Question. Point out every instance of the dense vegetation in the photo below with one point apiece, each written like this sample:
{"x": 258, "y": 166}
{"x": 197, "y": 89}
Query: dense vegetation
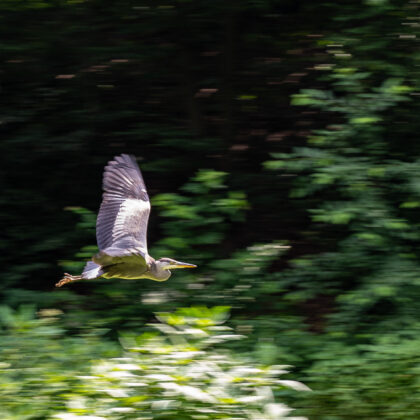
{"x": 278, "y": 140}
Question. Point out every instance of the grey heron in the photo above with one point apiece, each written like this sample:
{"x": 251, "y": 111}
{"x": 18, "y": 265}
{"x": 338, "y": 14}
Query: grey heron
{"x": 121, "y": 229}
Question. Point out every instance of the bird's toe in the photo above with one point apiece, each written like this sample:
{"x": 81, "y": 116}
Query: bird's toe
{"x": 62, "y": 282}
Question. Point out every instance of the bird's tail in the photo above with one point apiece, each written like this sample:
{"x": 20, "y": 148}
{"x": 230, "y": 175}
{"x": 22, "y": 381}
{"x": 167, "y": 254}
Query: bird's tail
{"x": 92, "y": 271}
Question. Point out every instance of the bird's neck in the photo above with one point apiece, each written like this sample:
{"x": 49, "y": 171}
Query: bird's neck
{"x": 158, "y": 272}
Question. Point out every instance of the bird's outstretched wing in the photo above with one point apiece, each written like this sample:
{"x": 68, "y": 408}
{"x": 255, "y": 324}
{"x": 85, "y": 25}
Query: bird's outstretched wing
{"x": 121, "y": 227}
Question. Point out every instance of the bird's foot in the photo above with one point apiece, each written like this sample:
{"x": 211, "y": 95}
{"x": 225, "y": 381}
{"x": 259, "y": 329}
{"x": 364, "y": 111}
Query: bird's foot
{"x": 67, "y": 279}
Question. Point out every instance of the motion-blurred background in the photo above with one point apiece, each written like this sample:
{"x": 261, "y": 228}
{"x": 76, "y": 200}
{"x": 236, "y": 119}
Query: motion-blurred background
{"x": 279, "y": 143}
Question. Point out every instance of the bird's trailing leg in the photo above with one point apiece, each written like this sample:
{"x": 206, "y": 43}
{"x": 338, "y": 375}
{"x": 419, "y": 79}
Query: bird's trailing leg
{"x": 67, "y": 279}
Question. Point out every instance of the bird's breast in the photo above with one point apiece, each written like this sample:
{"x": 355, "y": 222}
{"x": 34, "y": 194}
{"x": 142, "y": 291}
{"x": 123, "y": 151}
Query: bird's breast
{"x": 125, "y": 271}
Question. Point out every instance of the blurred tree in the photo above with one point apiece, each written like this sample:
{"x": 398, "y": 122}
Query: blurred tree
{"x": 181, "y": 85}
{"x": 360, "y": 288}
{"x": 200, "y": 91}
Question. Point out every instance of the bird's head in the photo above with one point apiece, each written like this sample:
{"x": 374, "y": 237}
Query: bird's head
{"x": 170, "y": 264}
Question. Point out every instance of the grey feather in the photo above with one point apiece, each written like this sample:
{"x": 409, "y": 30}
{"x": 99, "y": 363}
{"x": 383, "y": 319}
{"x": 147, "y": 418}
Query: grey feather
{"x": 121, "y": 227}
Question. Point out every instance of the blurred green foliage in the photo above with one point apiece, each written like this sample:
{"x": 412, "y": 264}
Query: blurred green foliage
{"x": 278, "y": 140}
{"x": 358, "y": 175}
{"x": 39, "y": 364}
{"x": 181, "y": 372}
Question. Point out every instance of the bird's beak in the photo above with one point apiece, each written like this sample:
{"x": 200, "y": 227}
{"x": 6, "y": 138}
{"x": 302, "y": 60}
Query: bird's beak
{"x": 179, "y": 264}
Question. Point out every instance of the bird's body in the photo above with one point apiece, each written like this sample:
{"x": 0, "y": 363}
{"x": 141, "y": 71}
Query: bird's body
{"x": 133, "y": 267}
{"x": 121, "y": 229}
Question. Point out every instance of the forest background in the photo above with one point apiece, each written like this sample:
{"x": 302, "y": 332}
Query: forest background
{"x": 279, "y": 143}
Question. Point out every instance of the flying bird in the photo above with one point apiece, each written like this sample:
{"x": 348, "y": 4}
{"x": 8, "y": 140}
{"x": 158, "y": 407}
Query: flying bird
{"x": 121, "y": 229}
